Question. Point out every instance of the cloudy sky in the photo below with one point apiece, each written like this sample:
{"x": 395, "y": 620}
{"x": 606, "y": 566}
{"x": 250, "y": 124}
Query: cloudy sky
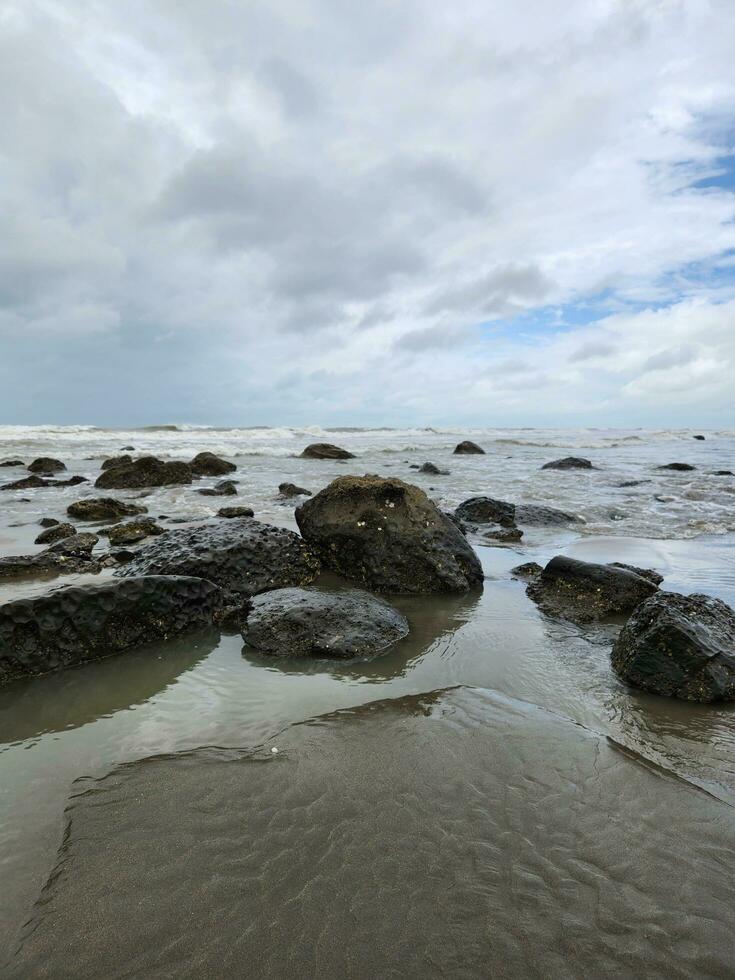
{"x": 396, "y": 212}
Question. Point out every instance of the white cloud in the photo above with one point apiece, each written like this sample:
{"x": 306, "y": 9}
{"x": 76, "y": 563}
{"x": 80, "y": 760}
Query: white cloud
{"x": 344, "y": 202}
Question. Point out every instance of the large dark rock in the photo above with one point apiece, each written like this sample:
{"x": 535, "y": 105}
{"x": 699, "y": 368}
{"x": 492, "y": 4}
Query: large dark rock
{"x": 207, "y": 464}
{"x": 432, "y": 469}
{"x": 77, "y": 624}
{"x": 27, "y": 483}
{"x": 291, "y": 490}
{"x": 314, "y": 623}
{"x": 325, "y": 450}
{"x": 46, "y": 465}
{"x": 680, "y": 647}
{"x": 145, "y": 472}
{"x": 468, "y": 448}
{"x": 103, "y": 509}
{"x": 116, "y": 461}
{"x": 225, "y": 488}
{"x": 231, "y": 512}
{"x": 55, "y": 533}
{"x": 12, "y": 462}
{"x": 569, "y": 463}
{"x": 487, "y": 510}
{"x": 724, "y": 473}
{"x": 700, "y": 438}
{"x": 242, "y": 556}
{"x": 677, "y": 467}
{"x": 59, "y": 559}
{"x": 389, "y": 536}
{"x": 74, "y": 545}
{"x": 583, "y": 592}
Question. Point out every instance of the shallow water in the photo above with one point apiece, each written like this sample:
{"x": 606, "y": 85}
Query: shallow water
{"x": 544, "y": 820}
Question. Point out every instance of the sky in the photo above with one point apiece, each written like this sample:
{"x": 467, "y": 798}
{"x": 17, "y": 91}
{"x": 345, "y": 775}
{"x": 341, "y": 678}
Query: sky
{"x": 324, "y": 212}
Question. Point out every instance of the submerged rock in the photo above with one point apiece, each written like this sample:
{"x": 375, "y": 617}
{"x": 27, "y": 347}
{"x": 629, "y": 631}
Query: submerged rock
{"x": 27, "y": 483}
{"x": 12, "y": 462}
{"x": 700, "y": 438}
{"x": 291, "y": 490}
{"x": 78, "y": 624}
{"x": 103, "y": 509}
{"x": 528, "y": 570}
{"x": 325, "y": 450}
{"x": 116, "y": 461}
{"x": 724, "y": 473}
{"x": 46, "y": 465}
{"x": 468, "y": 448}
{"x": 505, "y": 535}
{"x": 632, "y": 483}
{"x": 680, "y": 647}
{"x": 55, "y": 532}
{"x": 148, "y": 471}
{"x": 235, "y": 512}
{"x": 433, "y": 469}
{"x": 677, "y": 467}
{"x": 569, "y": 463}
{"x": 583, "y": 591}
{"x": 488, "y": 510}
{"x": 242, "y": 556}
{"x": 207, "y": 464}
{"x": 225, "y": 488}
{"x": 132, "y": 531}
{"x": 315, "y": 623}
{"x": 389, "y": 536}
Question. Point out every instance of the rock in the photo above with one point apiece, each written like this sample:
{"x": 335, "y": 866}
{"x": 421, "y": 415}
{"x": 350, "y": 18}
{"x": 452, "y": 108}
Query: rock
{"x": 242, "y": 556}
{"x": 74, "y": 545}
{"x": 486, "y": 510}
{"x": 633, "y": 483}
{"x": 27, "y": 483}
{"x": 680, "y": 647}
{"x": 569, "y": 463}
{"x": 468, "y": 448}
{"x": 433, "y": 469}
{"x": 506, "y": 535}
{"x": 55, "y": 533}
{"x": 77, "y": 624}
{"x": 677, "y": 467}
{"x": 132, "y": 531}
{"x": 116, "y": 461}
{"x": 325, "y": 450}
{"x": 701, "y": 438}
{"x": 145, "y": 472}
{"x": 12, "y": 462}
{"x": 291, "y": 490}
{"x": 48, "y": 522}
{"x": 46, "y": 465}
{"x": 127, "y": 449}
{"x": 235, "y": 512}
{"x": 103, "y": 509}
{"x": 73, "y": 481}
{"x": 389, "y": 536}
{"x": 48, "y": 563}
{"x": 724, "y": 473}
{"x": 316, "y": 623}
{"x": 207, "y": 464}
{"x": 225, "y": 488}
{"x": 651, "y": 574}
{"x": 528, "y": 570}
{"x": 582, "y": 591}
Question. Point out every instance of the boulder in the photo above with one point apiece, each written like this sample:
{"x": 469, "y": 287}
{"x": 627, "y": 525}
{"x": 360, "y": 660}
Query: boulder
{"x": 131, "y": 532}
{"x": 325, "y": 450}
{"x": 103, "y": 509}
{"x": 74, "y": 545}
{"x": 116, "y": 461}
{"x": 291, "y": 490}
{"x": 505, "y": 535}
{"x": 77, "y": 624}
{"x": 316, "y": 623}
{"x": 677, "y": 467}
{"x": 225, "y": 488}
{"x": 433, "y": 469}
{"x": 583, "y": 591}
{"x": 680, "y": 647}
{"x": 487, "y": 510}
{"x": 12, "y": 462}
{"x": 49, "y": 563}
{"x": 700, "y": 438}
{"x": 724, "y": 473}
{"x": 651, "y": 574}
{"x": 242, "y": 556}
{"x": 569, "y": 463}
{"x": 145, "y": 472}
{"x": 46, "y": 465}
{"x": 231, "y": 512}
{"x": 632, "y": 483}
{"x": 207, "y": 464}
{"x": 127, "y": 449}
{"x": 55, "y": 533}
{"x": 527, "y": 570}
{"x": 538, "y": 515}
{"x": 48, "y": 522}
{"x": 27, "y": 483}
{"x": 389, "y": 536}
{"x": 468, "y": 448}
